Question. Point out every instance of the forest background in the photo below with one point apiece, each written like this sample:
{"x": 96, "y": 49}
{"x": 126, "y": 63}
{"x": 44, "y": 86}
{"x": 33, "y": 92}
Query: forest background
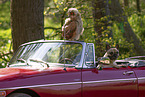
{"x": 111, "y": 26}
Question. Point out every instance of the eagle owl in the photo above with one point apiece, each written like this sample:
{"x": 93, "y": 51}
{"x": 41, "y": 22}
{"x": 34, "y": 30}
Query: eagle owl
{"x": 73, "y": 27}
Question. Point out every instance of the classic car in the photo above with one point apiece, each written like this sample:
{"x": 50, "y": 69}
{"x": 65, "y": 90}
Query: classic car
{"x": 62, "y": 68}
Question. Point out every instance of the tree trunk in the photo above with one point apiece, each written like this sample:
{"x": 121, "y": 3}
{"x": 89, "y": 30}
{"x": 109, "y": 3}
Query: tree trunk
{"x": 126, "y": 3}
{"x": 101, "y": 15}
{"x": 27, "y": 21}
{"x": 130, "y": 36}
{"x": 98, "y": 13}
{"x": 98, "y": 7}
{"x": 138, "y": 5}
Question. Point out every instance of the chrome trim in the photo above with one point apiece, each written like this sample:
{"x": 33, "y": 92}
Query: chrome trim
{"x": 45, "y": 85}
{"x": 71, "y": 83}
{"x": 115, "y": 80}
{"x": 82, "y": 56}
{"x": 92, "y": 44}
{"x": 141, "y": 78}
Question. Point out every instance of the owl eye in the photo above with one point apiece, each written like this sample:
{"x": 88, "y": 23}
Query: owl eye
{"x": 111, "y": 53}
{"x": 72, "y": 13}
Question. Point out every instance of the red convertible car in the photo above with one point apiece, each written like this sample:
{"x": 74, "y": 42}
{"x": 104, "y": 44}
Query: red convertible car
{"x": 63, "y": 68}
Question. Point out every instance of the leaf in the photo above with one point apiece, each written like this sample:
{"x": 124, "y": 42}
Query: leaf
{"x": 110, "y": 2}
{"x": 55, "y": 1}
{"x": 65, "y": 9}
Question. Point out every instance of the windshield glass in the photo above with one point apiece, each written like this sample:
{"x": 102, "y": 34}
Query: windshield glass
{"x": 50, "y": 53}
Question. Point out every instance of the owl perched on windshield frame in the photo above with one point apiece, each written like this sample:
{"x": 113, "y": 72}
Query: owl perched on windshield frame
{"x": 73, "y": 27}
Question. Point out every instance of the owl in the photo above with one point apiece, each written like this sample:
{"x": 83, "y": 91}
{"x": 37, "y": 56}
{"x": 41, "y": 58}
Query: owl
{"x": 73, "y": 27}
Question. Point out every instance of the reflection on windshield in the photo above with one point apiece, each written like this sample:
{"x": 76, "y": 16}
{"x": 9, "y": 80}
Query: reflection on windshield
{"x": 68, "y": 53}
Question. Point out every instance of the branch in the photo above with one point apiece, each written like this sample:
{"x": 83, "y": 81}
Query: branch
{"x": 5, "y": 54}
{"x": 60, "y": 28}
{"x": 51, "y": 28}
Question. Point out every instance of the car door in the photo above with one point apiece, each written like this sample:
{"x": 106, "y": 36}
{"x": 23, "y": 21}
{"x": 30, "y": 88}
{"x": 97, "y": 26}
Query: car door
{"x": 140, "y": 73}
{"x": 108, "y": 82}
{"x": 66, "y": 84}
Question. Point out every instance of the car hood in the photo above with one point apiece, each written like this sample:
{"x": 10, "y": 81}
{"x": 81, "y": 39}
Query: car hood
{"x": 11, "y": 73}
{"x": 7, "y": 71}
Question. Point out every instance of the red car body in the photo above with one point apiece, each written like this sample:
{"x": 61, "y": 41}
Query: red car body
{"x": 83, "y": 80}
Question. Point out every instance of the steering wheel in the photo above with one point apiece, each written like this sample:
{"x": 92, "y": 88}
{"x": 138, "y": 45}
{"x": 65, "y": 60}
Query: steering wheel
{"x": 67, "y": 60}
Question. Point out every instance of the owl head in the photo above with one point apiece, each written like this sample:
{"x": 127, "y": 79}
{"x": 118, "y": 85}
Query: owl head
{"x": 73, "y": 13}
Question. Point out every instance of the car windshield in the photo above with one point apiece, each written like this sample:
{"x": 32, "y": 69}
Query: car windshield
{"x": 52, "y": 54}
{"x": 136, "y": 58}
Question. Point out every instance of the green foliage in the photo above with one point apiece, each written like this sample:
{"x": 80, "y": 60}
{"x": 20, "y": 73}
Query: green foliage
{"x": 51, "y": 33}
{"x": 137, "y": 23}
{"x": 125, "y": 48}
{"x": 5, "y": 15}
{"x": 5, "y": 34}
{"x": 5, "y": 44}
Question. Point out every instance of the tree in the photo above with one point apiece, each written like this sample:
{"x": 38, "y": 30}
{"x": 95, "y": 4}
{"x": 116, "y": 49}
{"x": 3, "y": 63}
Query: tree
{"x": 138, "y": 5}
{"x": 117, "y": 15}
{"x": 97, "y": 10}
{"x": 27, "y": 21}
{"x": 126, "y": 3}
{"x": 101, "y": 15}
{"x": 120, "y": 17}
